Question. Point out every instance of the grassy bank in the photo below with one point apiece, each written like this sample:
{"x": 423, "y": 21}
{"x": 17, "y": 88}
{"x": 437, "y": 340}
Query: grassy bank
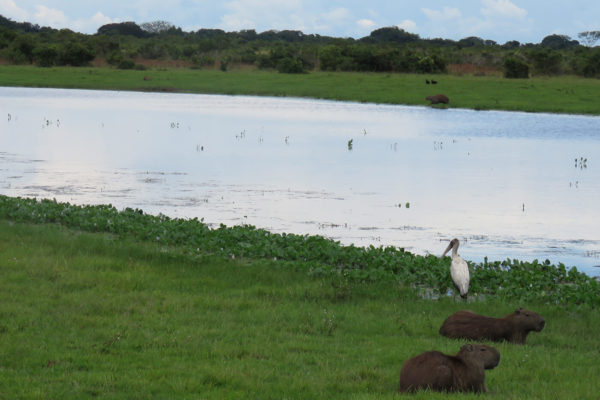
{"x": 99, "y": 315}
{"x": 557, "y": 94}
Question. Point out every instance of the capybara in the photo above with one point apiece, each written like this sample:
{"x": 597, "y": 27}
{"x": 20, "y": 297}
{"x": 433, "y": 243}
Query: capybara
{"x": 438, "y": 98}
{"x": 464, "y": 372}
{"x": 512, "y": 328}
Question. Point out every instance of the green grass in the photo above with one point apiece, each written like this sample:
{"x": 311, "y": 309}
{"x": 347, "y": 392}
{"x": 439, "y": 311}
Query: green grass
{"x": 564, "y": 94}
{"x": 95, "y": 315}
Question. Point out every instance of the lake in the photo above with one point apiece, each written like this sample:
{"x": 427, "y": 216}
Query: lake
{"x": 507, "y": 184}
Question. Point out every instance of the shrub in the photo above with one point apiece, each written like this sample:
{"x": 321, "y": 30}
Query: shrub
{"x": 290, "y": 65}
{"x": 45, "y": 56}
{"x": 76, "y": 54}
{"x": 126, "y": 64}
{"x": 515, "y": 68}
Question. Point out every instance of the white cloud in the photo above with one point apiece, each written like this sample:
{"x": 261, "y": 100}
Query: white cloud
{"x": 337, "y": 15}
{"x": 50, "y": 17}
{"x": 249, "y": 14}
{"x": 502, "y": 8}
{"x": 92, "y": 24}
{"x": 9, "y": 9}
{"x": 408, "y": 25}
{"x": 446, "y": 13}
{"x": 365, "y": 23}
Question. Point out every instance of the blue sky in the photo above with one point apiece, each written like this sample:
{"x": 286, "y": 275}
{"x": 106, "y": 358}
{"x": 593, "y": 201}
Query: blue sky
{"x": 499, "y": 20}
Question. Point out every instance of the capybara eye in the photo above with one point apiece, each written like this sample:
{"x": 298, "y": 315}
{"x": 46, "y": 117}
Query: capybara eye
{"x": 482, "y": 349}
{"x": 527, "y": 315}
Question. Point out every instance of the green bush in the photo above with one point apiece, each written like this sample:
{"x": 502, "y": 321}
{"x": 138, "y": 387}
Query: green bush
{"x": 76, "y": 54}
{"x": 45, "y": 56}
{"x": 515, "y": 68}
{"x": 290, "y": 65}
{"x": 126, "y": 64}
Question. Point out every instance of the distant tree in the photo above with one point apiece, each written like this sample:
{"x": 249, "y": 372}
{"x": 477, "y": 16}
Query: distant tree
{"x": 45, "y": 56}
{"x": 546, "y": 61}
{"x": 156, "y": 27}
{"x": 123, "y": 28}
{"x": 390, "y": 34}
{"x": 515, "y": 68}
{"x": 76, "y": 54}
{"x": 471, "y": 41}
{"x": 20, "y": 50}
{"x": 558, "y": 42}
{"x": 291, "y": 65}
{"x": 591, "y": 68}
{"x": 513, "y": 44}
{"x": 589, "y": 38}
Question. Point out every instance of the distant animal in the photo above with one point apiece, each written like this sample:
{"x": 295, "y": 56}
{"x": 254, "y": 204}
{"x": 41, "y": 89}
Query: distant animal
{"x": 147, "y": 78}
{"x": 433, "y": 82}
{"x": 463, "y": 372}
{"x": 427, "y": 81}
{"x": 513, "y": 328}
{"x": 438, "y": 98}
{"x": 459, "y": 270}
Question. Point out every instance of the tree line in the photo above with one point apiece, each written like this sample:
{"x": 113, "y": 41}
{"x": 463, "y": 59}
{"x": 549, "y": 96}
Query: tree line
{"x": 388, "y": 49}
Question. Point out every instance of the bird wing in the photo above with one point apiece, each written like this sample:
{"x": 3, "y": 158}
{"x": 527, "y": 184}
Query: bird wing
{"x": 459, "y": 271}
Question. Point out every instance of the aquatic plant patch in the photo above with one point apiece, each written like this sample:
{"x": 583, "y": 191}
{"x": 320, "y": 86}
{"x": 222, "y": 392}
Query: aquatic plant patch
{"x": 319, "y": 256}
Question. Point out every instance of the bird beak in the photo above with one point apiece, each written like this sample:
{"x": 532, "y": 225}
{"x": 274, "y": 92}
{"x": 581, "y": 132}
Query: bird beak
{"x": 447, "y": 249}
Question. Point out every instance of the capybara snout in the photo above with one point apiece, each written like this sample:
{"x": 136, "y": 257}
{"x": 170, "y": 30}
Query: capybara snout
{"x": 489, "y": 355}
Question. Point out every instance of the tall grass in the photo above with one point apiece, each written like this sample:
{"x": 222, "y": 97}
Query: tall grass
{"x": 564, "y": 94}
{"x": 99, "y": 316}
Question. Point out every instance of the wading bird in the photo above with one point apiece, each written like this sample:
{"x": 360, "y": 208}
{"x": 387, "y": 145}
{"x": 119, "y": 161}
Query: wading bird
{"x": 459, "y": 271}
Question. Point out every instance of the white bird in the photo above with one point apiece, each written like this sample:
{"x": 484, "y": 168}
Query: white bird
{"x": 459, "y": 271}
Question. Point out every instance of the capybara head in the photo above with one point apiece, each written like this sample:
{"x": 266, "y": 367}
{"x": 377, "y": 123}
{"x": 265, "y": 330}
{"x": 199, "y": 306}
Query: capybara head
{"x": 480, "y": 353}
{"x": 528, "y": 320}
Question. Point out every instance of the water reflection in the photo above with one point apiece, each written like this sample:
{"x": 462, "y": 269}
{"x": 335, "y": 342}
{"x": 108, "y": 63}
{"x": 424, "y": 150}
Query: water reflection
{"x": 504, "y": 183}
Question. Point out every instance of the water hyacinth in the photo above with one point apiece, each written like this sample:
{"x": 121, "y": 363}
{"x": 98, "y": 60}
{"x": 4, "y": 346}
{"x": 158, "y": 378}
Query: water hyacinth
{"x": 511, "y": 279}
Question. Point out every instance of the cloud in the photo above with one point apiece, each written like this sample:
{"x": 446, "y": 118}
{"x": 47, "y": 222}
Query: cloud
{"x": 446, "y": 13}
{"x": 252, "y": 14}
{"x": 365, "y": 23}
{"x": 282, "y": 14}
{"x": 408, "y": 25}
{"x": 9, "y": 9}
{"x": 502, "y": 8}
{"x": 92, "y": 24}
{"x": 50, "y": 17}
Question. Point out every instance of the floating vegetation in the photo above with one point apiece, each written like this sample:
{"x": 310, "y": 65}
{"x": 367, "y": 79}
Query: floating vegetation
{"x": 510, "y": 279}
{"x": 350, "y": 144}
{"x": 174, "y": 125}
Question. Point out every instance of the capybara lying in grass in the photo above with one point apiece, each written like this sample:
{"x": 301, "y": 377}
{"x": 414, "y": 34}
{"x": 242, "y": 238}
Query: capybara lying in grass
{"x": 463, "y": 372}
{"x": 438, "y": 98}
{"x": 512, "y": 328}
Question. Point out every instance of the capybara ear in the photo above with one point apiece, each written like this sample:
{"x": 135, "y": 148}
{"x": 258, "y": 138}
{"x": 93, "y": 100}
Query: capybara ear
{"x": 468, "y": 347}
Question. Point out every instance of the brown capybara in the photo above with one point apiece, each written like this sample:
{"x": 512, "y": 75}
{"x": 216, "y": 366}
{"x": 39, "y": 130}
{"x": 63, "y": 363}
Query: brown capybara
{"x": 438, "y": 98}
{"x": 512, "y": 328}
{"x": 464, "y": 372}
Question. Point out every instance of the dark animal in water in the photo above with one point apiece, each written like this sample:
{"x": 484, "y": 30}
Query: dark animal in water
{"x": 433, "y": 82}
{"x": 463, "y": 372}
{"x": 438, "y": 98}
{"x": 427, "y": 81}
{"x": 513, "y": 328}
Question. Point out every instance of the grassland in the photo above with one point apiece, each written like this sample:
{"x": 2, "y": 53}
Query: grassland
{"x": 106, "y": 315}
{"x": 563, "y": 94}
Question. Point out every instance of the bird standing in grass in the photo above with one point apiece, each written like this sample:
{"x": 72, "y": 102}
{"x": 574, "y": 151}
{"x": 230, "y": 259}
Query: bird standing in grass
{"x": 459, "y": 271}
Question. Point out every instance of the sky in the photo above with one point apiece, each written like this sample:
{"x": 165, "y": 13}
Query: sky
{"x": 527, "y": 21}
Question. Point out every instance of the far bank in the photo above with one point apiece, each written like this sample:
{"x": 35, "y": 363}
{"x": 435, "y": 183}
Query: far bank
{"x": 565, "y": 94}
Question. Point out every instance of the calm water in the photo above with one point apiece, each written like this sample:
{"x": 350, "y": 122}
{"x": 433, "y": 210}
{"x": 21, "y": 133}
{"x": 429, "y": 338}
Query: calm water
{"x": 509, "y": 185}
